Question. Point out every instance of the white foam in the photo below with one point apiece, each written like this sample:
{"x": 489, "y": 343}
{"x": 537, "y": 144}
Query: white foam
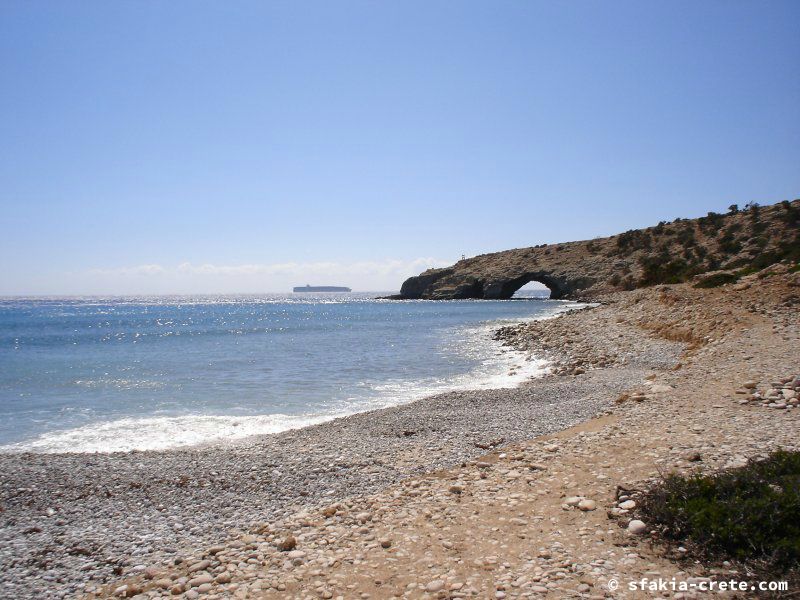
{"x": 161, "y": 433}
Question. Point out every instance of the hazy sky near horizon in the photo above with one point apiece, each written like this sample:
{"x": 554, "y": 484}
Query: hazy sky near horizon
{"x": 178, "y": 147}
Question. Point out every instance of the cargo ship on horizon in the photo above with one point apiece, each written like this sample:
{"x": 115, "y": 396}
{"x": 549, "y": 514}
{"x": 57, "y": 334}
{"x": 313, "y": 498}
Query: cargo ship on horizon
{"x": 321, "y": 288}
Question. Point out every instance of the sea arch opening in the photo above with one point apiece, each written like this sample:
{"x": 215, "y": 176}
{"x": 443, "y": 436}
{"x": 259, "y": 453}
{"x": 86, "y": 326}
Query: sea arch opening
{"x": 510, "y": 287}
{"x": 532, "y": 289}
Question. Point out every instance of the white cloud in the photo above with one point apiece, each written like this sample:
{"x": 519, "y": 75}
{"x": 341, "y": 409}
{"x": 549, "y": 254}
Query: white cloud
{"x": 125, "y": 271}
{"x": 188, "y": 277}
{"x": 356, "y": 268}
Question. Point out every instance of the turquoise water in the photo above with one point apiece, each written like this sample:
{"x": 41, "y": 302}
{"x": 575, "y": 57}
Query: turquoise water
{"x": 117, "y": 374}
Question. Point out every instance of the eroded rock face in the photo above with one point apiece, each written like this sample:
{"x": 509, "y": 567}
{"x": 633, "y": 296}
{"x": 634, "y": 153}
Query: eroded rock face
{"x": 500, "y": 275}
{"x": 457, "y": 283}
{"x": 667, "y": 253}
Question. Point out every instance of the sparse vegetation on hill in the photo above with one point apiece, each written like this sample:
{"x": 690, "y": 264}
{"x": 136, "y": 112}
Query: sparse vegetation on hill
{"x": 741, "y": 240}
{"x": 684, "y": 249}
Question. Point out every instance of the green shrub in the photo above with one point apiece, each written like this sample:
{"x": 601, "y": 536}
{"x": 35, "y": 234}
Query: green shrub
{"x": 765, "y": 259}
{"x": 746, "y": 271}
{"x": 761, "y": 241}
{"x": 685, "y": 237}
{"x": 661, "y": 268}
{"x": 791, "y": 214}
{"x": 711, "y": 222}
{"x": 717, "y": 280}
{"x": 748, "y": 514}
{"x": 634, "y": 239}
{"x": 729, "y": 244}
{"x": 790, "y": 249}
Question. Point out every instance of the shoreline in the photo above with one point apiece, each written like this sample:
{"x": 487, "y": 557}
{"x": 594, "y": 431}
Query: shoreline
{"x": 263, "y": 477}
{"x": 522, "y": 373}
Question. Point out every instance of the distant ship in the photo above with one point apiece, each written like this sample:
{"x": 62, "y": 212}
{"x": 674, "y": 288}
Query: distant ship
{"x": 321, "y": 288}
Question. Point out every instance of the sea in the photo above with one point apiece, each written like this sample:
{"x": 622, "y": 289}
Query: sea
{"x": 120, "y": 374}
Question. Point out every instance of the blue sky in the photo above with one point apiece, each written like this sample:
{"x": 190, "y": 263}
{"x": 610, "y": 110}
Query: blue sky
{"x": 155, "y": 147}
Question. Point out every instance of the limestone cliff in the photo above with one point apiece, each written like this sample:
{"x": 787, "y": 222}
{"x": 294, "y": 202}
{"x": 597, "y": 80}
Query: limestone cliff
{"x": 738, "y": 241}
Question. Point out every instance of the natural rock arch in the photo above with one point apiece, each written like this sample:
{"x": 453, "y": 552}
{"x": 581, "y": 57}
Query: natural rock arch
{"x": 453, "y": 283}
{"x": 666, "y": 253}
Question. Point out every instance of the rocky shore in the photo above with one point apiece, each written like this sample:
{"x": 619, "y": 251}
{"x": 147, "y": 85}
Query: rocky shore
{"x": 486, "y": 494}
{"x": 74, "y": 522}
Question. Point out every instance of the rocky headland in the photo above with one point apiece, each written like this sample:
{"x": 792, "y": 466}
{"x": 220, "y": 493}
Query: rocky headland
{"x": 739, "y": 241}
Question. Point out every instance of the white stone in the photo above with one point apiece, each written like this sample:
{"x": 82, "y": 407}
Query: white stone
{"x": 200, "y": 580}
{"x": 637, "y": 527}
{"x": 434, "y": 586}
{"x": 203, "y": 564}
